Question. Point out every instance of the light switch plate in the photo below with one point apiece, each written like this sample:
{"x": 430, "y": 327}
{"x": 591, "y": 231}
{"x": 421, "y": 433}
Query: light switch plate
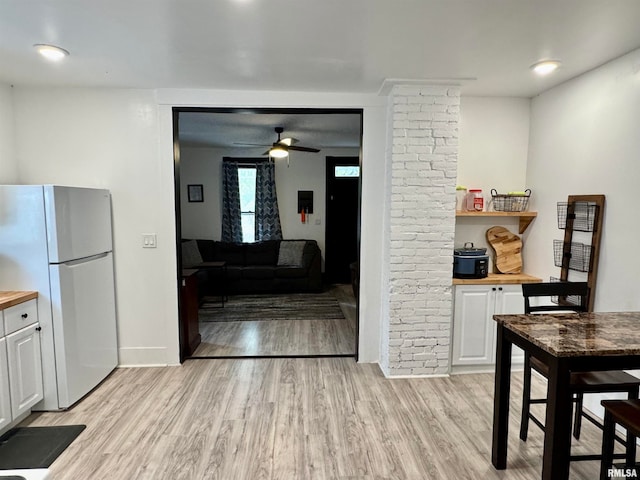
{"x": 149, "y": 240}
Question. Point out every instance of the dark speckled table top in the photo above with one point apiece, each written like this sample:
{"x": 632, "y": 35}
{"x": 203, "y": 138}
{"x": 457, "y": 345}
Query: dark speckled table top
{"x": 577, "y": 334}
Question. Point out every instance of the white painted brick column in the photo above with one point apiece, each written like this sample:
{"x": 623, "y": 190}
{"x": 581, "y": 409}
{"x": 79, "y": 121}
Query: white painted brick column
{"x": 424, "y": 123}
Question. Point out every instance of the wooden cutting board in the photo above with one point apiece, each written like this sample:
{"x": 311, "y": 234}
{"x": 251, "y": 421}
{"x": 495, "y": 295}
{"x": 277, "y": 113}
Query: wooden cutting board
{"x": 508, "y": 248}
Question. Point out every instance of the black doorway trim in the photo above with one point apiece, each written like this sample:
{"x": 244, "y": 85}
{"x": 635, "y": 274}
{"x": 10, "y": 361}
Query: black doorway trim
{"x": 178, "y": 219}
{"x": 249, "y": 357}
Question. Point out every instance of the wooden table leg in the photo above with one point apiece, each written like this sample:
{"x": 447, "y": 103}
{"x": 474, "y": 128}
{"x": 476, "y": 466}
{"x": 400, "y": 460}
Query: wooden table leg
{"x": 557, "y": 436}
{"x": 501, "y": 401}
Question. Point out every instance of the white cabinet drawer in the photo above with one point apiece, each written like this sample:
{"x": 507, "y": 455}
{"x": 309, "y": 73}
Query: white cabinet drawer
{"x": 20, "y": 316}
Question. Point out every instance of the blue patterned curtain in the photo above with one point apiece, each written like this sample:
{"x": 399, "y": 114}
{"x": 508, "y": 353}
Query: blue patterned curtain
{"x": 267, "y": 215}
{"x": 231, "y": 216}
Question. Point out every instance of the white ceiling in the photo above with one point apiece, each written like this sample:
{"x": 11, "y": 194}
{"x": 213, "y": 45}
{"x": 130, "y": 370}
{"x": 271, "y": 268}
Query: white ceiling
{"x": 312, "y": 45}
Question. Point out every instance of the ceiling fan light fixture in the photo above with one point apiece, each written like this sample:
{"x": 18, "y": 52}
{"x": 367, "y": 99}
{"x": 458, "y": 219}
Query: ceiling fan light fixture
{"x": 51, "y": 52}
{"x": 545, "y": 67}
{"x": 278, "y": 152}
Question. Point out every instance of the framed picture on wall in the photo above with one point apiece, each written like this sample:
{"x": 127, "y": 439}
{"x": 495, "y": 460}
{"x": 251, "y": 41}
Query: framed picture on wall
{"x": 195, "y": 193}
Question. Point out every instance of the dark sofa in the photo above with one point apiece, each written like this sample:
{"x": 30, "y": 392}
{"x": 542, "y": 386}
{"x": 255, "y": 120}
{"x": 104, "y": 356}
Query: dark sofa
{"x": 258, "y": 267}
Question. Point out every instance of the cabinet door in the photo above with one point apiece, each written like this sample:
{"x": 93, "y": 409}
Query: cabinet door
{"x": 5, "y": 398}
{"x": 509, "y": 300}
{"x": 25, "y": 369}
{"x": 473, "y": 326}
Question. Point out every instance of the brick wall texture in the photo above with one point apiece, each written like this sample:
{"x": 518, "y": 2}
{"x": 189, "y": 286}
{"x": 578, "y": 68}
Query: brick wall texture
{"x": 424, "y": 121}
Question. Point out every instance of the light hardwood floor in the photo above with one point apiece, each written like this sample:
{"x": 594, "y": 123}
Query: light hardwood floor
{"x": 283, "y": 337}
{"x": 290, "y": 419}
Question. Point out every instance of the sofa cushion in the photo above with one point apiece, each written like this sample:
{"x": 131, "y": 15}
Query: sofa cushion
{"x": 207, "y": 250}
{"x": 258, "y": 271}
{"x": 262, "y": 253}
{"x": 290, "y": 253}
{"x": 232, "y": 253}
{"x": 190, "y": 254}
{"x": 234, "y": 272}
{"x": 290, "y": 272}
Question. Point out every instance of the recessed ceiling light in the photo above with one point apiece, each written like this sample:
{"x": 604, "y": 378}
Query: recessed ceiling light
{"x": 545, "y": 67}
{"x": 51, "y": 52}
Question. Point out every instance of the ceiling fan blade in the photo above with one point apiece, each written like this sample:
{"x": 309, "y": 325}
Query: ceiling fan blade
{"x": 242, "y": 144}
{"x": 288, "y": 141}
{"x": 303, "y": 149}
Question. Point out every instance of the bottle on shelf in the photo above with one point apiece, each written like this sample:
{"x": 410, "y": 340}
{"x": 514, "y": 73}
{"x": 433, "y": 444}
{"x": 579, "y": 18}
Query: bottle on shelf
{"x": 461, "y": 193}
{"x": 474, "y": 201}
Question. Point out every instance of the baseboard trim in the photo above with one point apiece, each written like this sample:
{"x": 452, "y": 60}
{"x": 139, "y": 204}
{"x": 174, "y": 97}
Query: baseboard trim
{"x": 142, "y": 357}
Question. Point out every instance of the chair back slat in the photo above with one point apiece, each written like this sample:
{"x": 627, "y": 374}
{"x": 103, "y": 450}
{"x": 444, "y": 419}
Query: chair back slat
{"x": 562, "y": 290}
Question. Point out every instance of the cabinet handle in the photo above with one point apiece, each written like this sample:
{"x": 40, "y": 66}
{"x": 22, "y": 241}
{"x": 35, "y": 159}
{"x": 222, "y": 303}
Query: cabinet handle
{"x": 500, "y": 288}
{"x": 25, "y": 315}
{"x": 38, "y": 329}
{"x": 493, "y": 288}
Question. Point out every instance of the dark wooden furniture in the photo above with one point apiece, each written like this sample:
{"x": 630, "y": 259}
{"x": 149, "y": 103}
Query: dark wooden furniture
{"x": 560, "y": 290}
{"x": 189, "y": 311}
{"x": 218, "y": 272}
{"x": 581, "y": 213}
{"x": 566, "y": 343}
{"x": 625, "y": 413}
{"x": 563, "y": 296}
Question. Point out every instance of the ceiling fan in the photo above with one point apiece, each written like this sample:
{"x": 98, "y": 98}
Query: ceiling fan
{"x": 281, "y": 147}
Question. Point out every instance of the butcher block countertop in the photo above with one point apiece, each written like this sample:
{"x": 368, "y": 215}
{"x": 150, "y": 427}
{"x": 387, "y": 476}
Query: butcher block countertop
{"x": 11, "y": 298}
{"x": 498, "y": 279}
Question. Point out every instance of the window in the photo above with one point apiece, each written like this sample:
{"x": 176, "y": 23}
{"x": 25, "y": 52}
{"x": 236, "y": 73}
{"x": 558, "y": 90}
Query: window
{"x": 346, "y": 171}
{"x": 247, "y": 184}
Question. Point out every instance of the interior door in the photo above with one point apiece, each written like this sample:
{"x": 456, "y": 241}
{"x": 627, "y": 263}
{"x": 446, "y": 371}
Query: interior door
{"x": 341, "y": 233}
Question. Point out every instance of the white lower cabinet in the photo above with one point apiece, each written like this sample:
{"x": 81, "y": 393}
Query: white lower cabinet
{"x": 474, "y": 330}
{"x": 5, "y": 396}
{"x": 25, "y": 369}
{"x": 20, "y": 363}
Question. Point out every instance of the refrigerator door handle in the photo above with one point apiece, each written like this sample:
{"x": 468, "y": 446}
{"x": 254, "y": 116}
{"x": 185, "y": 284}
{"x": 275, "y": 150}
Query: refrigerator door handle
{"x": 80, "y": 261}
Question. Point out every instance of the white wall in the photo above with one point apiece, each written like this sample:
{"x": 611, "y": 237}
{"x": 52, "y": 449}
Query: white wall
{"x": 8, "y": 162}
{"x": 201, "y": 166}
{"x": 494, "y": 140}
{"x": 584, "y": 140}
{"x": 123, "y": 140}
{"x": 109, "y": 138}
{"x": 305, "y": 171}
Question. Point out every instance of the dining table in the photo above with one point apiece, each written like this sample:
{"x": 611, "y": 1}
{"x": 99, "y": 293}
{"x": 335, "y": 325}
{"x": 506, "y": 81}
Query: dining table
{"x": 566, "y": 342}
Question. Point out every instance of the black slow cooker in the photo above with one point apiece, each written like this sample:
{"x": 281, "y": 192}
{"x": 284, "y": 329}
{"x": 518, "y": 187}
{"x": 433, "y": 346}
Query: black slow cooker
{"x": 470, "y": 262}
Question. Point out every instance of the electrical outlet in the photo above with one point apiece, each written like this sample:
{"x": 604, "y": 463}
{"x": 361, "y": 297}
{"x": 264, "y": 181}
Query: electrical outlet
{"x": 149, "y": 240}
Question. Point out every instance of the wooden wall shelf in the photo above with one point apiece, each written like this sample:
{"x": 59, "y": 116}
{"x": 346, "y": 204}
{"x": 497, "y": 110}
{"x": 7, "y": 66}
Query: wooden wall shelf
{"x": 498, "y": 279}
{"x": 525, "y": 218}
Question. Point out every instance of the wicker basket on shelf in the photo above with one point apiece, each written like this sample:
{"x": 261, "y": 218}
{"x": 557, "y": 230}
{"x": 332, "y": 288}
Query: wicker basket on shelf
{"x": 510, "y": 202}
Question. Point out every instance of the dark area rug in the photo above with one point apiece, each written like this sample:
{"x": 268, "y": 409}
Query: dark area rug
{"x": 292, "y": 306}
{"x": 35, "y": 447}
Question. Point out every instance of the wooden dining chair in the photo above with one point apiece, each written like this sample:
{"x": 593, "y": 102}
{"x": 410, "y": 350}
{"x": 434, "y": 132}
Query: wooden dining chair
{"x": 571, "y": 296}
{"x": 625, "y": 413}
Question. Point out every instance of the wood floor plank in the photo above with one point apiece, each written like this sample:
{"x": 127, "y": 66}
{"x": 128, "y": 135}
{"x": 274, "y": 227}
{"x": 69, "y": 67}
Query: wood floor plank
{"x": 317, "y": 418}
{"x": 284, "y": 337}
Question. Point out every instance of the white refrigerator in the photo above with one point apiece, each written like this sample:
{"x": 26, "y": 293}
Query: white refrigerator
{"x": 57, "y": 240}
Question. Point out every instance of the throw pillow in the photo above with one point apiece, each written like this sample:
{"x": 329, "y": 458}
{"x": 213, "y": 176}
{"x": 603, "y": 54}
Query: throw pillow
{"x": 291, "y": 253}
{"x": 190, "y": 254}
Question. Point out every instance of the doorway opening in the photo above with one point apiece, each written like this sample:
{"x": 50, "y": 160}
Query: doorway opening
{"x": 238, "y": 298}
